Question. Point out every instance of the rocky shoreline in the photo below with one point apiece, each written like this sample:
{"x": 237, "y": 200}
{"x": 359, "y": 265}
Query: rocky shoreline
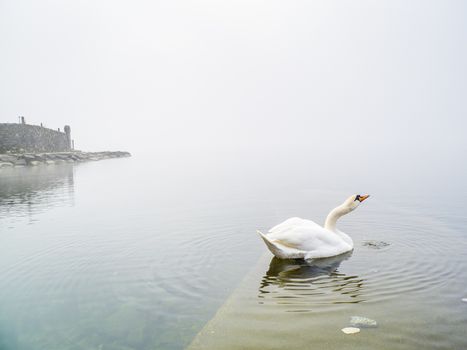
{"x": 34, "y": 159}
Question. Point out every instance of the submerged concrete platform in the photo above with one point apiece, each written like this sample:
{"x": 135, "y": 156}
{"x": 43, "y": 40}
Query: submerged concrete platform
{"x": 288, "y": 304}
{"x": 269, "y": 311}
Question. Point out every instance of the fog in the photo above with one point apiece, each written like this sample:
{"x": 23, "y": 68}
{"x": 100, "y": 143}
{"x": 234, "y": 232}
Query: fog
{"x": 335, "y": 87}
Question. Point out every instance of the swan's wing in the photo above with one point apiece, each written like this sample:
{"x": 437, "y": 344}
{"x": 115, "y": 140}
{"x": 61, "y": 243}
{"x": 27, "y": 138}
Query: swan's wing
{"x": 286, "y": 224}
{"x": 282, "y": 251}
{"x": 292, "y": 223}
{"x": 306, "y": 237}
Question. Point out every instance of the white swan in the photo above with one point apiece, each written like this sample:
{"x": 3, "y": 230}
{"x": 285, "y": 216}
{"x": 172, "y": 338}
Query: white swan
{"x": 297, "y": 238}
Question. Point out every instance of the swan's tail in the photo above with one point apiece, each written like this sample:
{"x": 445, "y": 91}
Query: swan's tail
{"x": 280, "y": 250}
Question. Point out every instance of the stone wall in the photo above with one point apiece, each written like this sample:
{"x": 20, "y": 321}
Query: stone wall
{"x": 20, "y": 138}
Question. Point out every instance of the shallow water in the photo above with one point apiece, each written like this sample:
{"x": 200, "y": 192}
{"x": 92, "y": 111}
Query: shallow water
{"x": 121, "y": 254}
{"x": 412, "y": 286}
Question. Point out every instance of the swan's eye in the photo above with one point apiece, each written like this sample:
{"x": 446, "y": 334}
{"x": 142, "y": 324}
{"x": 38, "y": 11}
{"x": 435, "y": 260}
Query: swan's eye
{"x": 357, "y": 198}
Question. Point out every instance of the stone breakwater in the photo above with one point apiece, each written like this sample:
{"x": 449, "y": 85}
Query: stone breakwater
{"x": 33, "y": 159}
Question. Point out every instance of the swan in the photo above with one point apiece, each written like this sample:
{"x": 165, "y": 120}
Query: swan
{"x": 297, "y": 238}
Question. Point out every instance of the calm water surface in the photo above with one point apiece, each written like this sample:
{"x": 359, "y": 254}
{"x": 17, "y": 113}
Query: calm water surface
{"x": 122, "y": 254}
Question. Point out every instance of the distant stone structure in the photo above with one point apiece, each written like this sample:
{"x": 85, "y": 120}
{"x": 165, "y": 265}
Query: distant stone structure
{"x": 24, "y": 138}
{"x": 68, "y": 136}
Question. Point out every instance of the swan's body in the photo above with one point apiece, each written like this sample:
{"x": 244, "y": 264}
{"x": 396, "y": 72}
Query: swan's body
{"x": 300, "y": 238}
{"x": 297, "y": 238}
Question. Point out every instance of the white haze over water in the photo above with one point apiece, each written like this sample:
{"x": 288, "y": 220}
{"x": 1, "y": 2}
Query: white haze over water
{"x": 362, "y": 92}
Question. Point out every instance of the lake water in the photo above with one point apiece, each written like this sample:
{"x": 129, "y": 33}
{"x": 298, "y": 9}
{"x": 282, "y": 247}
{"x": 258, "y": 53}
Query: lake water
{"x": 137, "y": 254}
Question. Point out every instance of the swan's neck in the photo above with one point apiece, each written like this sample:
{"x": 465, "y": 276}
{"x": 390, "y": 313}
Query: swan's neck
{"x": 333, "y": 216}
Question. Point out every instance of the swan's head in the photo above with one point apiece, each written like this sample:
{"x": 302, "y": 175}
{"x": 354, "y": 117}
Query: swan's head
{"x": 349, "y": 205}
{"x": 354, "y": 201}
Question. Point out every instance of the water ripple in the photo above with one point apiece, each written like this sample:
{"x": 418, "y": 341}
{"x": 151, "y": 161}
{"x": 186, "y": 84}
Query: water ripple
{"x": 417, "y": 258}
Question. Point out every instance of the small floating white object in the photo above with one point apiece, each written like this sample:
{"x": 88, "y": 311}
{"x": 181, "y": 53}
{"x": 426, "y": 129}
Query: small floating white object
{"x": 350, "y": 330}
{"x": 464, "y": 300}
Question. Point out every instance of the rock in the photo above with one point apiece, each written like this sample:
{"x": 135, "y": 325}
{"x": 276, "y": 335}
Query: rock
{"x": 28, "y": 156}
{"x": 363, "y": 322}
{"x": 62, "y": 156}
{"x": 51, "y": 156}
{"x": 5, "y": 164}
{"x": 8, "y": 158}
{"x": 20, "y": 162}
{"x": 58, "y": 157}
{"x": 350, "y": 330}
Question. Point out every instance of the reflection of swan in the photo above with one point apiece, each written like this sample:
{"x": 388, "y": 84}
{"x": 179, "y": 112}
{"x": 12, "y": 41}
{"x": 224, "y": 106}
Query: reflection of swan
{"x": 305, "y": 269}
{"x": 300, "y": 238}
{"x": 317, "y": 282}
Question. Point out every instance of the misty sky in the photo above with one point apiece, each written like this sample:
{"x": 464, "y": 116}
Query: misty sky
{"x": 313, "y": 79}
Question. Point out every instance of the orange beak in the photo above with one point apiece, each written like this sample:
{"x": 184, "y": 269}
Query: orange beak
{"x": 363, "y": 197}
